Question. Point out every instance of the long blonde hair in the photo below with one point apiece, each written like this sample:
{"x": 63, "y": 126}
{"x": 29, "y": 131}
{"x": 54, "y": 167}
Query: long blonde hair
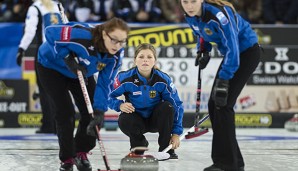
{"x": 221, "y": 3}
{"x": 48, "y": 4}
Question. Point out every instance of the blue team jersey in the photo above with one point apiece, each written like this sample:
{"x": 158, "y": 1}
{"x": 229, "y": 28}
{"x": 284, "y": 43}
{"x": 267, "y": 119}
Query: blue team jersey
{"x": 231, "y": 33}
{"x": 77, "y": 38}
{"x": 146, "y": 94}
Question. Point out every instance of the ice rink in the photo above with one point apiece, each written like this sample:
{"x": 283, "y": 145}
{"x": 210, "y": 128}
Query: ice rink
{"x": 263, "y": 150}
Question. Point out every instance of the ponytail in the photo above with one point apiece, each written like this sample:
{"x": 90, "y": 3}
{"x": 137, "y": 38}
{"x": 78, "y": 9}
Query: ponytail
{"x": 221, "y": 3}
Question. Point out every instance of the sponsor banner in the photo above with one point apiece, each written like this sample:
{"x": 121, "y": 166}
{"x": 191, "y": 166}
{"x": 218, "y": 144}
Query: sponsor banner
{"x": 178, "y": 40}
{"x": 249, "y": 120}
{"x": 278, "y": 66}
{"x": 271, "y": 120}
{"x": 276, "y": 35}
{"x": 14, "y": 96}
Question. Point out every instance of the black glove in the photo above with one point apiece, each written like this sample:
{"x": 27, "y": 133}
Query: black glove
{"x": 96, "y": 120}
{"x": 220, "y": 92}
{"x": 202, "y": 59}
{"x": 20, "y": 56}
{"x": 73, "y": 65}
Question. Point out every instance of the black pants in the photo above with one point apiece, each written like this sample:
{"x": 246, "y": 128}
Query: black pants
{"x": 58, "y": 87}
{"x": 225, "y": 150}
{"x": 47, "y": 108}
{"x": 161, "y": 121}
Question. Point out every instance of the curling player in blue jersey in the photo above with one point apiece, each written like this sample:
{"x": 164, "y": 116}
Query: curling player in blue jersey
{"x": 217, "y": 21}
{"x": 98, "y": 49}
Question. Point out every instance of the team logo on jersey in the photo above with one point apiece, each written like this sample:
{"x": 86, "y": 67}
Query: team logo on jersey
{"x": 137, "y": 93}
{"x": 136, "y": 81}
{"x": 100, "y": 66}
{"x": 116, "y": 83}
{"x": 152, "y": 94}
{"x": 222, "y": 18}
{"x": 91, "y": 48}
{"x": 208, "y": 31}
{"x": 54, "y": 19}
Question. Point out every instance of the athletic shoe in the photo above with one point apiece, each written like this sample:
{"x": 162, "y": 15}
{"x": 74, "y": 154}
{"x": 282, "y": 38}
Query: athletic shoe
{"x": 82, "y": 162}
{"x": 173, "y": 155}
{"x": 144, "y": 144}
{"x": 67, "y": 165}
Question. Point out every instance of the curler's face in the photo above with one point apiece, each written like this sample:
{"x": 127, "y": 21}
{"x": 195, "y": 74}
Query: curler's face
{"x": 192, "y": 7}
{"x": 115, "y": 40}
{"x": 145, "y": 60}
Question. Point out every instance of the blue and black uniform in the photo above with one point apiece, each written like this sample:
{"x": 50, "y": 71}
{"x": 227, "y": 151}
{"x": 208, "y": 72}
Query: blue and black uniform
{"x": 238, "y": 44}
{"x": 58, "y": 81}
{"x": 158, "y": 107}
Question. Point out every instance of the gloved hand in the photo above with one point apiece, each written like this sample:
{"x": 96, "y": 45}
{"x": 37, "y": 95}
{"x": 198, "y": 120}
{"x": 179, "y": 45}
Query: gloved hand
{"x": 220, "y": 92}
{"x": 96, "y": 120}
{"x": 20, "y": 56}
{"x": 73, "y": 65}
{"x": 202, "y": 59}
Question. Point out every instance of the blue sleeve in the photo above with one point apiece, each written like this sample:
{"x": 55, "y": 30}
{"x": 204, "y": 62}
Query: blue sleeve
{"x": 60, "y": 37}
{"x": 104, "y": 84}
{"x": 118, "y": 90}
{"x": 171, "y": 95}
{"x": 228, "y": 32}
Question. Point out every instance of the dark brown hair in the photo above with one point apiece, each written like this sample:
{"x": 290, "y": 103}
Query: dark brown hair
{"x": 108, "y": 26}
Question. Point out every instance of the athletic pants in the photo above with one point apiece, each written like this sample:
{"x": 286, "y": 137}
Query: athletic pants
{"x": 58, "y": 87}
{"x": 225, "y": 150}
{"x": 161, "y": 120}
{"x": 47, "y": 108}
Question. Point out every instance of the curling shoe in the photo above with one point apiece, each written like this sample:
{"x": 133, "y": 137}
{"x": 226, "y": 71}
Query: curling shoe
{"x": 82, "y": 162}
{"x": 215, "y": 168}
{"x": 173, "y": 155}
{"x": 67, "y": 165}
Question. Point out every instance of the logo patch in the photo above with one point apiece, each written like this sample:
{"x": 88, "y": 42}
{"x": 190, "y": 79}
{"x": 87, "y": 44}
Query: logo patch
{"x": 65, "y": 34}
{"x": 152, "y": 94}
{"x": 86, "y": 61}
{"x": 195, "y": 27}
{"x": 174, "y": 90}
{"x": 208, "y": 31}
{"x": 54, "y": 19}
{"x": 100, "y": 66}
{"x": 91, "y": 48}
{"x": 137, "y": 93}
{"x": 222, "y": 18}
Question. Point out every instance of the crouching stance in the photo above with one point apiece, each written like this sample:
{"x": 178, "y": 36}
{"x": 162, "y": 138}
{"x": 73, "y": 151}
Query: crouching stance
{"x": 151, "y": 102}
